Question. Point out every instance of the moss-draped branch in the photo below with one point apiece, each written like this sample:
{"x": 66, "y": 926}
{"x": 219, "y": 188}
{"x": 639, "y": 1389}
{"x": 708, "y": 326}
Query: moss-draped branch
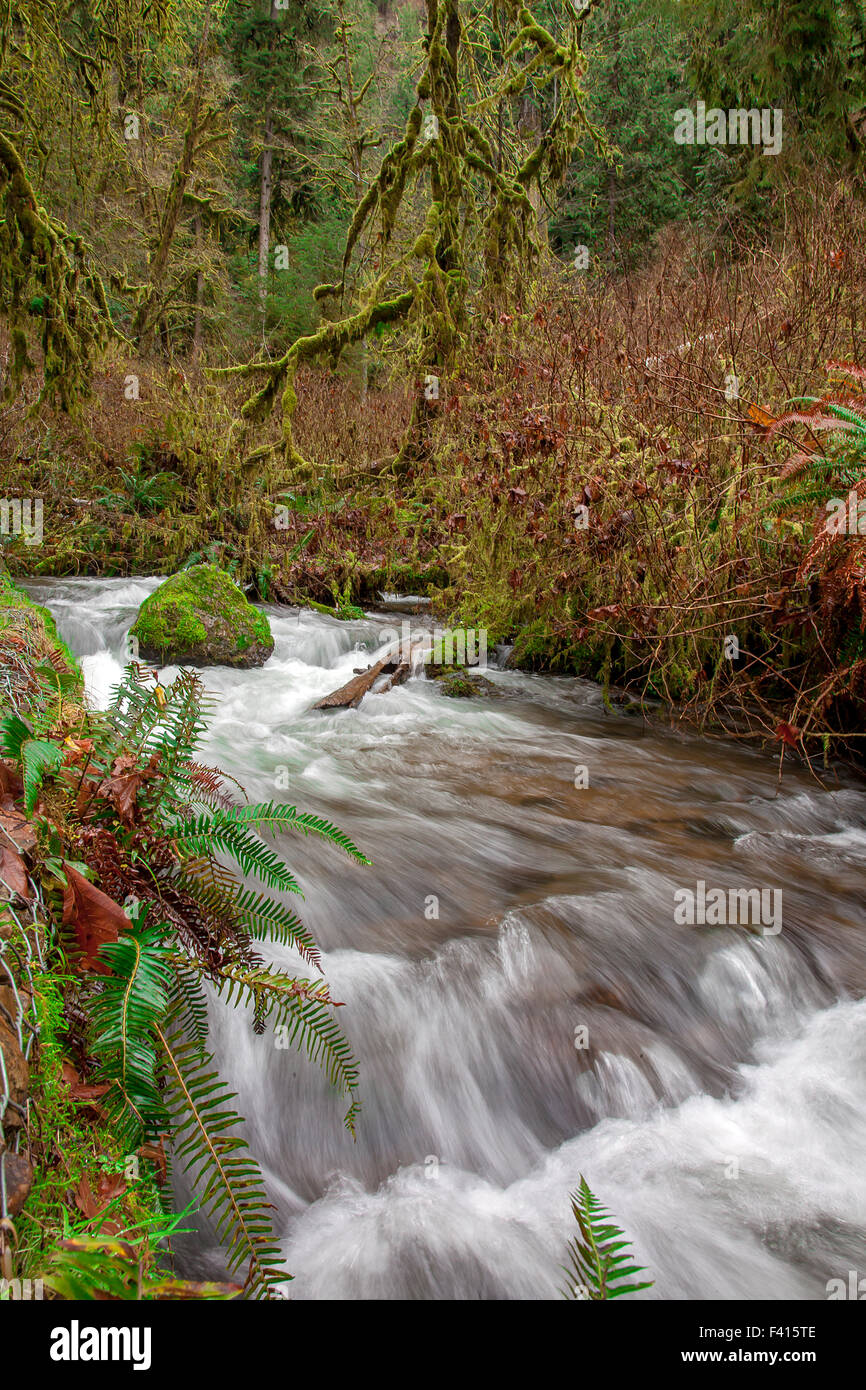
{"x": 460, "y": 244}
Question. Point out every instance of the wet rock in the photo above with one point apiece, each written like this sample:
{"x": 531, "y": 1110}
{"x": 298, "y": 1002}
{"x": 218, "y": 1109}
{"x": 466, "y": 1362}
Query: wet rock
{"x": 462, "y": 685}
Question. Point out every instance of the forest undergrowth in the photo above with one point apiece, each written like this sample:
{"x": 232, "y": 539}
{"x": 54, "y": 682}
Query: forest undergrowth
{"x": 631, "y": 478}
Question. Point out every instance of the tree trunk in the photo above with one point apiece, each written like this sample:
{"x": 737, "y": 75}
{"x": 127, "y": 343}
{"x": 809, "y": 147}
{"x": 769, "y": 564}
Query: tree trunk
{"x": 610, "y": 240}
{"x": 611, "y": 214}
{"x": 148, "y": 309}
{"x": 197, "y": 330}
{"x": 265, "y": 212}
{"x": 265, "y": 193}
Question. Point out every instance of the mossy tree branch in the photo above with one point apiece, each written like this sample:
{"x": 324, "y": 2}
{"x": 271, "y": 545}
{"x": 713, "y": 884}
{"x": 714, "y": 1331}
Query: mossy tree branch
{"x": 479, "y": 233}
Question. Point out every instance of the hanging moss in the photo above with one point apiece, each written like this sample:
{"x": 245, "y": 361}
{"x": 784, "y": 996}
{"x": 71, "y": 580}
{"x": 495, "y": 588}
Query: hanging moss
{"x": 459, "y": 245}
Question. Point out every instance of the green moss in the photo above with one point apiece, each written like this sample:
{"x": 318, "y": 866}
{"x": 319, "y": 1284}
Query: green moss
{"x": 460, "y": 685}
{"x": 82, "y": 1148}
{"x": 35, "y": 623}
{"x": 201, "y": 617}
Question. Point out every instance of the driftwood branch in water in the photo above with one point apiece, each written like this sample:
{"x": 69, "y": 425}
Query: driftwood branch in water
{"x": 397, "y": 663}
{"x": 350, "y": 695}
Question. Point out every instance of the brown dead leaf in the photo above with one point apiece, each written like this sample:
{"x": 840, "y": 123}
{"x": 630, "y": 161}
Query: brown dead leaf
{"x": 85, "y": 1200}
{"x": 156, "y": 1154}
{"x": 91, "y": 1204}
{"x": 85, "y": 1091}
{"x": 95, "y": 918}
{"x": 89, "y": 1091}
{"x": 13, "y": 874}
{"x": 77, "y": 751}
{"x": 15, "y": 828}
{"x": 110, "y": 1185}
{"x": 10, "y": 782}
{"x": 121, "y": 789}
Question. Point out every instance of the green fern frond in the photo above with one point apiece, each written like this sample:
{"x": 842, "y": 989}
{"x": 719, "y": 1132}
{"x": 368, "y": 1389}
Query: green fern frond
{"x": 14, "y": 733}
{"x": 224, "y": 831}
{"x": 266, "y": 920}
{"x": 132, "y": 999}
{"x": 289, "y": 818}
{"x": 228, "y": 1179}
{"x": 150, "y": 1015}
{"x": 806, "y": 497}
{"x": 599, "y": 1258}
{"x": 262, "y": 917}
{"x": 189, "y": 1001}
{"x": 852, "y": 417}
{"x": 38, "y": 756}
{"x": 299, "y": 1010}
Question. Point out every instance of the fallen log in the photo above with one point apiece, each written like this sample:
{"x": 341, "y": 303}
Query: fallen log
{"x": 401, "y": 674}
{"x": 350, "y": 695}
{"x": 397, "y": 663}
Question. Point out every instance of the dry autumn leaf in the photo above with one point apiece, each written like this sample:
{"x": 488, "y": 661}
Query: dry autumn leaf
{"x": 13, "y": 874}
{"x": 15, "y": 829}
{"x": 121, "y": 789}
{"x": 95, "y": 918}
{"x": 10, "y": 782}
{"x": 82, "y": 1090}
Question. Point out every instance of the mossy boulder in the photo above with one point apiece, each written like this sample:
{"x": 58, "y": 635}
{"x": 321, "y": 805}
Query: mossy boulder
{"x": 460, "y": 685}
{"x": 29, "y": 632}
{"x": 201, "y": 618}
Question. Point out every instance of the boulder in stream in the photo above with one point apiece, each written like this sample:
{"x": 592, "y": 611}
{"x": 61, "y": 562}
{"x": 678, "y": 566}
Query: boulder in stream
{"x": 459, "y": 684}
{"x": 201, "y": 618}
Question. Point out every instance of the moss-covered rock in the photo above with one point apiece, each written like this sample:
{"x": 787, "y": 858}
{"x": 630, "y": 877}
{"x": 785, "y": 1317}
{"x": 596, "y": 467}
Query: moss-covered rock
{"x": 460, "y": 685}
{"x": 30, "y": 632}
{"x": 201, "y": 618}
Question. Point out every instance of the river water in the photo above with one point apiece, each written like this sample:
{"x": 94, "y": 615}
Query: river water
{"x": 522, "y": 999}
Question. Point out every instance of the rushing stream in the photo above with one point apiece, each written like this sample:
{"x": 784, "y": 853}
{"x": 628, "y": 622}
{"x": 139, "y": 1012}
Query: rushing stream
{"x": 718, "y": 1107}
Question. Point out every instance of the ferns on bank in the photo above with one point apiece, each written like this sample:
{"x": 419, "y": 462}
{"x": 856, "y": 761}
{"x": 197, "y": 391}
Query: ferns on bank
{"x": 133, "y": 808}
{"x": 811, "y": 475}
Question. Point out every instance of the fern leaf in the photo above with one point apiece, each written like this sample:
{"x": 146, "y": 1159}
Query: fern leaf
{"x": 275, "y": 815}
{"x": 189, "y": 1001}
{"x": 300, "y": 1012}
{"x": 38, "y": 756}
{"x": 262, "y": 917}
{"x": 221, "y": 830}
{"x": 14, "y": 733}
{"x": 599, "y": 1262}
{"x": 228, "y": 1179}
{"x": 131, "y": 1001}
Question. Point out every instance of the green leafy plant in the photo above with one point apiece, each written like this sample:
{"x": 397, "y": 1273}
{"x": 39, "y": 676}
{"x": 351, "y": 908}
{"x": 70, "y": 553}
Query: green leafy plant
{"x": 131, "y": 1267}
{"x": 135, "y": 819}
{"x": 141, "y": 494}
{"x": 600, "y": 1256}
{"x": 37, "y": 756}
{"x": 810, "y": 475}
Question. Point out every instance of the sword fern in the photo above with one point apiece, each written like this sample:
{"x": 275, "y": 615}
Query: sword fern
{"x": 599, "y": 1256}
{"x": 158, "y": 832}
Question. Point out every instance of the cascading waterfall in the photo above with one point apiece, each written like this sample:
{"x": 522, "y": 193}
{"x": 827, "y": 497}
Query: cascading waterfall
{"x": 522, "y": 1002}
